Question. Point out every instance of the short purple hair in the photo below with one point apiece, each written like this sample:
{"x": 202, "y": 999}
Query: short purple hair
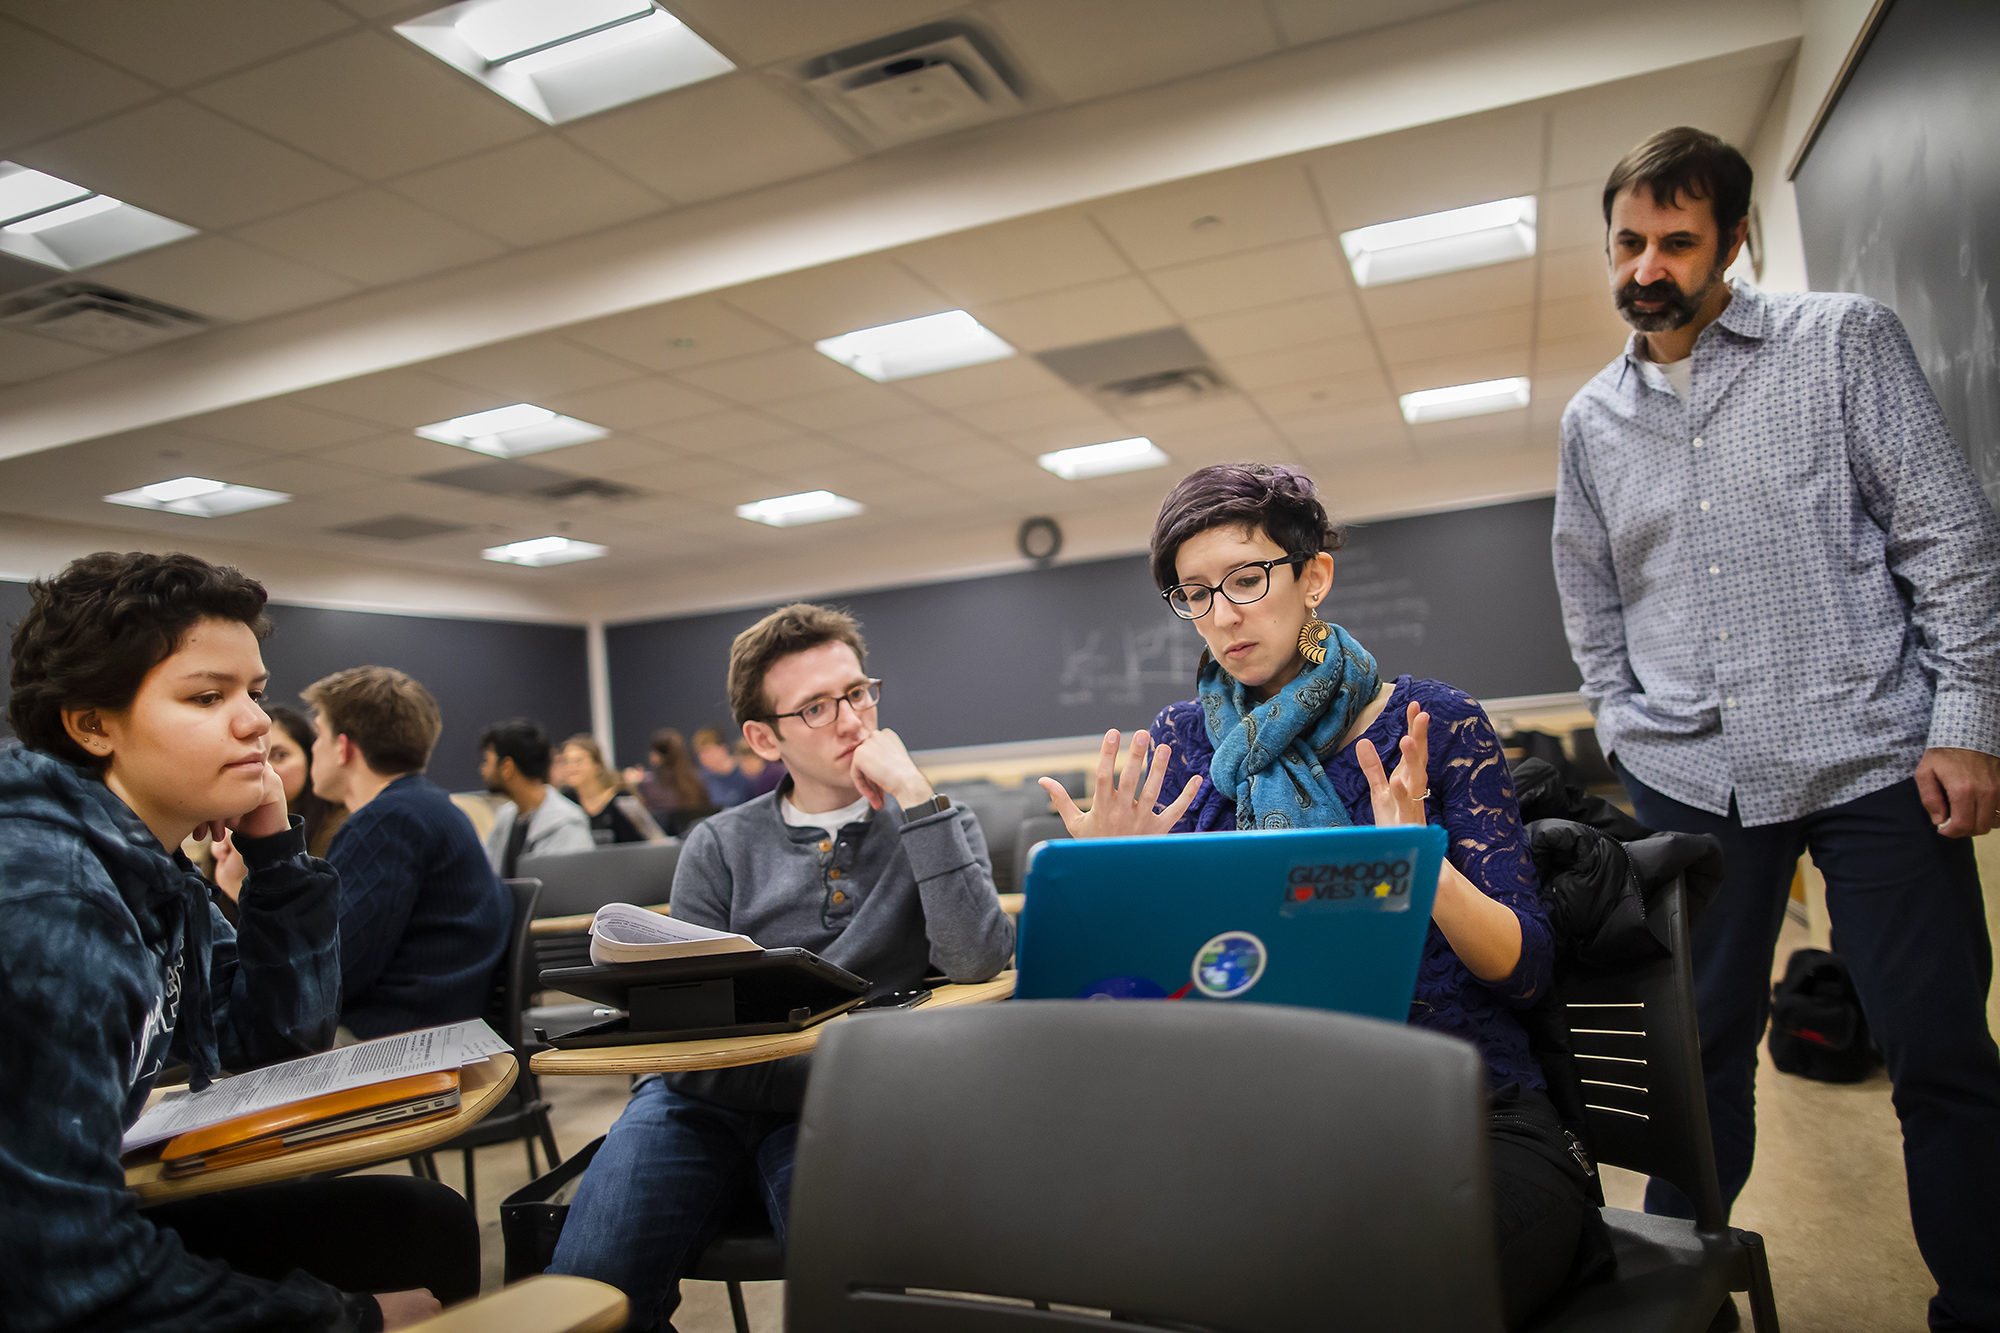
{"x": 1280, "y": 501}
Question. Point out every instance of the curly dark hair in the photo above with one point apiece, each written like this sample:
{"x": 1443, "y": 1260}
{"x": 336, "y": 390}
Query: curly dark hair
{"x": 1280, "y": 501}
{"x": 94, "y": 630}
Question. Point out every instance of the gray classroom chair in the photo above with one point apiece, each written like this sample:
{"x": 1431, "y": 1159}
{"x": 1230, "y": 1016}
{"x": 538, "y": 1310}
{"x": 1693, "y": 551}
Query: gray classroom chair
{"x": 1197, "y": 1166}
{"x": 998, "y": 810}
{"x": 641, "y": 873}
{"x": 1640, "y": 1058}
{"x": 1034, "y": 829}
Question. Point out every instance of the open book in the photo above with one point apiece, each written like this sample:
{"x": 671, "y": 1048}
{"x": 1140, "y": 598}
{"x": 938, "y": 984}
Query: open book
{"x": 622, "y": 933}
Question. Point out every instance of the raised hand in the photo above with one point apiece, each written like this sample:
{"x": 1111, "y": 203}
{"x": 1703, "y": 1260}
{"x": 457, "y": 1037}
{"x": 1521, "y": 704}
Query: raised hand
{"x": 1130, "y": 809}
{"x": 1399, "y": 798}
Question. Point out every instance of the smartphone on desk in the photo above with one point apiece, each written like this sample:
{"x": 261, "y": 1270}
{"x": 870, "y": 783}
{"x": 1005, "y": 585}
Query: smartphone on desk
{"x": 895, "y": 999}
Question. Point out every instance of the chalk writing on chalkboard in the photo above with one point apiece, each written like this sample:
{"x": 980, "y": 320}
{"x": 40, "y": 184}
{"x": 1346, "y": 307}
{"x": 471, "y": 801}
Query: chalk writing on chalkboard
{"x": 1380, "y": 609}
{"x": 1118, "y": 668}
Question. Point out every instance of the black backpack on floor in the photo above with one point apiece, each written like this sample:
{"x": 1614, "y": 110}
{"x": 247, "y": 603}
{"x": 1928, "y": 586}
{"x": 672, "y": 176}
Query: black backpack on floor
{"x": 1817, "y": 1027}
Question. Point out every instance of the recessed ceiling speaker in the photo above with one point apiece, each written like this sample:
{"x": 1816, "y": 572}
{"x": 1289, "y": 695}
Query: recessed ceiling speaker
{"x": 1040, "y": 540}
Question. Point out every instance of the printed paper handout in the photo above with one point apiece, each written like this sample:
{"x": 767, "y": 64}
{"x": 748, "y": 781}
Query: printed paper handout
{"x": 622, "y": 933}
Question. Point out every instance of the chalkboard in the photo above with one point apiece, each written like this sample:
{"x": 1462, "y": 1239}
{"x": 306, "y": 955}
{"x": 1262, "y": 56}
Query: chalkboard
{"x": 1467, "y": 597}
{"x": 1899, "y": 199}
{"x": 480, "y": 670}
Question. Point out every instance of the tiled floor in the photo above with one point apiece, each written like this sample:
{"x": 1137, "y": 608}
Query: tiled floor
{"x": 1827, "y": 1194}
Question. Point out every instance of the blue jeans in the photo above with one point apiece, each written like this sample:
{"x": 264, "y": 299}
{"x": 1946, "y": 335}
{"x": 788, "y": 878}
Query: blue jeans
{"x": 660, "y": 1187}
{"x": 1907, "y": 916}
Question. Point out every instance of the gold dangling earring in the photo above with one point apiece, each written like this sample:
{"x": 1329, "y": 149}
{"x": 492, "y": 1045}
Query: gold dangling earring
{"x": 1312, "y": 639}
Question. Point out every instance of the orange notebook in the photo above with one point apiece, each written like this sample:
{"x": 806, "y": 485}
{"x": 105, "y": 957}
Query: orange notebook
{"x": 316, "y": 1120}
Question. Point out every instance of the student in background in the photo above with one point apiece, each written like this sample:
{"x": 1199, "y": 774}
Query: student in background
{"x": 727, "y": 784}
{"x": 854, "y": 857}
{"x": 1291, "y": 728}
{"x": 136, "y": 682}
{"x": 291, "y": 756}
{"x": 1781, "y": 584}
{"x": 423, "y": 919}
{"x": 764, "y": 776}
{"x": 614, "y": 815}
{"x": 535, "y": 819}
{"x": 673, "y": 782}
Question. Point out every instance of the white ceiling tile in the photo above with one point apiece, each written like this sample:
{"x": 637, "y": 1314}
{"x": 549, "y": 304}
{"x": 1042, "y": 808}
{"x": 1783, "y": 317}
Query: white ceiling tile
{"x": 906, "y": 435}
{"x": 837, "y": 409}
{"x": 400, "y": 398}
{"x": 1063, "y": 407}
{"x": 1407, "y": 343}
{"x": 303, "y": 476}
{"x": 789, "y": 457}
{"x": 641, "y": 402}
{"x": 1034, "y": 441}
{"x": 1110, "y": 46}
{"x": 778, "y": 29}
{"x": 1552, "y": 391}
{"x": 1083, "y": 314}
{"x": 276, "y": 424}
{"x": 1448, "y": 443}
{"x": 1303, "y": 21}
{"x": 1275, "y": 327}
{"x": 1256, "y": 278}
{"x": 1018, "y": 258}
{"x": 46, "y": 87}
{"x": 222, "y": 277}
{"x": 1571, "y": 216}
{"x": 370, "y": 104}
{"x": 1248, "y": 208}
{"x": 1450, "y": 295}
{"x": 1306, "y": 361}
{"x": 77, "y": 475}
{"x": 1010, "y": 377}
{"x": 715, "y": 138}
{"x": 1590, "y": 351}
{"x": 399, "y": 454}
{"x": 837, "y": 298}
{"x": 372, "y": 237}
{"x": 1230, "y": 442}
{"x": 602, "y": 458}
{"x": 1575, "y": 316}
{"x": 1583, "y": 271}
{"x": 189, "y": 164}
{"x": 1589, "y": 132}
{"x": 1371, "y": 426}
{"x": 679, "y": 476}
{"x": 537, "y": 190}
{"x": 1170, "y": 423}
{"x": 1460, "y": 162}
{"x": 24, "y": 356}
{"x": 765, "y": 377}
{"x": 1322, "y": 393}
{"x": 1474, "y": 367}
{"x": 528, "y": 369}
{"x": 967, "y": 456}
{"x": 677, "y": 335}
{"x": 720, "y": 434}
{"x": 179, "y": 43}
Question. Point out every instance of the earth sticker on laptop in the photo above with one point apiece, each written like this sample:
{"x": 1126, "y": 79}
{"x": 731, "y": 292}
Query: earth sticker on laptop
{"x": 1382, "y": 886}
{"x": 1229, "y": 964}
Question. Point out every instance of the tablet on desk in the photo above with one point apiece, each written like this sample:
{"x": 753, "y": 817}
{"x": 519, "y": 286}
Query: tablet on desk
{"x": 717, "y": 995}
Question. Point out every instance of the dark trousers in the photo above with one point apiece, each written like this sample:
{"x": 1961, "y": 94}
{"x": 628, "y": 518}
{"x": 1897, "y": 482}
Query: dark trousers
{"x": 357, "y": 1233}
{"x": 1544, "y": 1220}
{"x": 1907, "y": 916}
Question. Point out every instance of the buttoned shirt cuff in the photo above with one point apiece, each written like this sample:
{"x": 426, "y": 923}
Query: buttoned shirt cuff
{"x": 1965, "y": 720}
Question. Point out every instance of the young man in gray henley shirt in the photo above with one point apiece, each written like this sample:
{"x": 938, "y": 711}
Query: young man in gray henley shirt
{"x": 853, "y": 857}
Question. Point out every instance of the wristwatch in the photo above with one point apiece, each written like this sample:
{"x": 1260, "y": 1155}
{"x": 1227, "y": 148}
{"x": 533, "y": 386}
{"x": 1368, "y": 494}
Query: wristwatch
{"x": 936, "y": 805}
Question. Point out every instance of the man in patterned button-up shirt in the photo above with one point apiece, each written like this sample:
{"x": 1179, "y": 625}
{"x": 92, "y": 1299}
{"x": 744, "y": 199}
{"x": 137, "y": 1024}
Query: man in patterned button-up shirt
{"x": 1781, "y": 584}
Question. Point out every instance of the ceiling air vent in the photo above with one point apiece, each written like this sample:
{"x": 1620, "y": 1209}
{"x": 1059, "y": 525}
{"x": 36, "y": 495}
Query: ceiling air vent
{"x": 529, "y": 481}
{"x": 399, "y": 528}
{"x": 915, "y": 85}
{"x": 1141, "y": 372}
{"x": 586, "y": 493}
{"x": 1167, "y": 388}
{"x": 98, "y": 317}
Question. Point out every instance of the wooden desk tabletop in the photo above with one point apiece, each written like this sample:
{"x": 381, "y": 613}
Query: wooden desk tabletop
{"x": 1010, "y": 903}
{"x": 479, "y": 1087}
{"x": 723, "y": 1052}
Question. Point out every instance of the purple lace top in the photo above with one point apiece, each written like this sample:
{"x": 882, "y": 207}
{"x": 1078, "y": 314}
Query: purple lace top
{"x": 1472, "y": 797}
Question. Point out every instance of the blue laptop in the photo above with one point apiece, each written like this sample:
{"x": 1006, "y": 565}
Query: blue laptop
{"x": 1323, "y": 918}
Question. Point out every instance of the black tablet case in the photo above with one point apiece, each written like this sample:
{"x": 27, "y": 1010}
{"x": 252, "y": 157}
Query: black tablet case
{"x": 713, "y": 995}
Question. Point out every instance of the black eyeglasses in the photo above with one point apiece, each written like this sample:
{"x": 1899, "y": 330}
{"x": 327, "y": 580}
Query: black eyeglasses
{"x": 821, "y": 712}
{"x": 1242, "y": 585}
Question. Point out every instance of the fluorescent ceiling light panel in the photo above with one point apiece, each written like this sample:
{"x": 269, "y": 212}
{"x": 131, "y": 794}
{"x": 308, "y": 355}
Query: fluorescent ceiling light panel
{"x": 917, "y": 346}
{"x": 198, "y": 497}
{"x": 513, "y": 431}
{"x": 1465, "y": 400}
{"x": 1102, "y": 460}
{"x": 1446, "y": 242}
{"x": 542, "y": 551}
{"x": 51, "y": 221}
{"x": 561, "y": 60}
{"x": 785, "y": 511}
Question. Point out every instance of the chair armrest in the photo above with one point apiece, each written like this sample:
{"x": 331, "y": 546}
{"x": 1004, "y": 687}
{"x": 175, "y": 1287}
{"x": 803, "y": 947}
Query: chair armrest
{"x": 548, "y": 1303}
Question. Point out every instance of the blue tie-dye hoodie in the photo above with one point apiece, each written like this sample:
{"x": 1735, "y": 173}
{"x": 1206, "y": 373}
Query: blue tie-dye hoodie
{"x": 111, "y": 961}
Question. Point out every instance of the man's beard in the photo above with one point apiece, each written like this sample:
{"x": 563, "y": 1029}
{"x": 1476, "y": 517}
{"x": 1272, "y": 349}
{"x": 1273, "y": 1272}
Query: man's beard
{"x": 1677, "y": 308}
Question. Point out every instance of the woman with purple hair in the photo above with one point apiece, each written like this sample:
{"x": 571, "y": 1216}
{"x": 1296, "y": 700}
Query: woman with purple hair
{"x": 1292, "y": 726}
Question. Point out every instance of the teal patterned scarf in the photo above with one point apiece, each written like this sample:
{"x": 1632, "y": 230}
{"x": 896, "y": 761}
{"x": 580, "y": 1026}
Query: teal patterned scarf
{"x": 1268, "y": 754}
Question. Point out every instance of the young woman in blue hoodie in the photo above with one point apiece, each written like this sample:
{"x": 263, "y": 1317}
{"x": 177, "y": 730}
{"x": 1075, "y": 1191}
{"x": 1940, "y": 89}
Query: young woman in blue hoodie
{"x": 136, "y": 689}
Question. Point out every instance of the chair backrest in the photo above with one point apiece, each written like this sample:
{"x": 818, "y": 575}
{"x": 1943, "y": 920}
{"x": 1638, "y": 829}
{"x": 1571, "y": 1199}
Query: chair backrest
{"x": 622, "y": 872}
{"x": 998, "y": 810}
{"x": 1639, "y": 1055}
{"x": 514, "y": 978}
{"x": 1034, "y": 829}
{"x": 1214, "y": 1166}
